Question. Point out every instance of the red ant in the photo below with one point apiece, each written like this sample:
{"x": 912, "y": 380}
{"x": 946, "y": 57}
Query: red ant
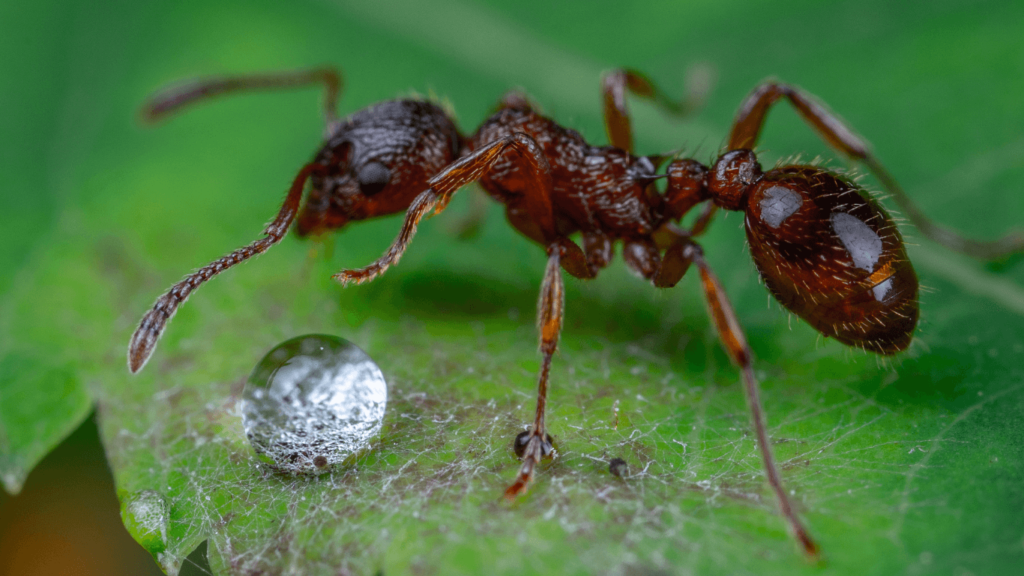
{"x": 825, "y": 249}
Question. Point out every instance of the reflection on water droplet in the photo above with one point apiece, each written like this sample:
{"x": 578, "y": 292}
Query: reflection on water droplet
{"x": 311, "y": 402}
{"x": 145, "y": 516}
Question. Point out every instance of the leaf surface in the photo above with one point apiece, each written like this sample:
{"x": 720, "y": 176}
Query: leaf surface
{"x": 911, "y": 465}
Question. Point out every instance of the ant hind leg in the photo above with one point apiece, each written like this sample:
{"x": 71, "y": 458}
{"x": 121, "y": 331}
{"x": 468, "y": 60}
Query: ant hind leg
{"x": 731, "y": 335}
{"x": 616, "y": 83}
{"x": 747, "y": 128}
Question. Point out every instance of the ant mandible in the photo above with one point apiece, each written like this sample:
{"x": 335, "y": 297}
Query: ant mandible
{"x": 825, "y": 249}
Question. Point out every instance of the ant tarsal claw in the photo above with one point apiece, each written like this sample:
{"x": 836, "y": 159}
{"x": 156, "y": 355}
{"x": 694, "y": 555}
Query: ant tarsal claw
{"x": 531, "y": 449}
{"x": 528, "y": 442}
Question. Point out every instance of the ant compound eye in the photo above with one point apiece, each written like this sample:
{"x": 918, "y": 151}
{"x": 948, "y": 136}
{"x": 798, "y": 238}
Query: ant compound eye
{"x": 373, "y": 177}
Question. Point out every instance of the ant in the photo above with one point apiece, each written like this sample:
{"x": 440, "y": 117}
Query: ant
{"x": 825, "y": 249}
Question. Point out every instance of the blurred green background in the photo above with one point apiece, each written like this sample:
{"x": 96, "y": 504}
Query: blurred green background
{"x": 911, "y": 466}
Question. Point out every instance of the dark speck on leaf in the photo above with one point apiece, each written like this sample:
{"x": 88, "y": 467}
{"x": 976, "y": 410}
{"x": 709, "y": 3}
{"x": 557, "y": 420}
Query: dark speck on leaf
{"x": 618, "y": 467}
{"x": 320, "y": 461}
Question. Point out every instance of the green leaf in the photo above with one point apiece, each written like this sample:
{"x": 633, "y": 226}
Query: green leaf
{"x": 42, "y": 398}
{"x": 911, "y": 465}
{"x": 38, "y": 403}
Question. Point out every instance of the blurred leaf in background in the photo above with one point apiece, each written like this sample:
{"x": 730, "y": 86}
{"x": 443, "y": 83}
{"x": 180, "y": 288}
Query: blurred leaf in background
{"x": 913, "y": 465}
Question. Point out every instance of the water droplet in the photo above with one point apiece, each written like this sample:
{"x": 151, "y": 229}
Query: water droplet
{"x": 311, "y": 402}
{"x": 145, "y": 516}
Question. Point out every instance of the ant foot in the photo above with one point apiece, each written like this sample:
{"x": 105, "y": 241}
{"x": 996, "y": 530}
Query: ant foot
{"x": 529, "y": 447}
{"x": 522, "y": 440}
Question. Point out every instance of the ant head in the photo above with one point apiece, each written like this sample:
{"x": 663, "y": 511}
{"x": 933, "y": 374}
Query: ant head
{"x": 349, "y": 186}
{"x": 376, "y": 163}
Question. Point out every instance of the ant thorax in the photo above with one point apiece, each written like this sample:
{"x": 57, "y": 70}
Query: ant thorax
{"x": 595, "y": 189}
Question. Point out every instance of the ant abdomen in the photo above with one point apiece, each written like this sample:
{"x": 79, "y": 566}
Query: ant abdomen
{"x": 833, "y": 256}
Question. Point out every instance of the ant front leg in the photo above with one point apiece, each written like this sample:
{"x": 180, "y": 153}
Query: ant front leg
{"x": 175, "y": 98}
{"x": 750, "y": 121}
{"x": 735, "y": 343}
{"x": 616, "y": 113}
{"x": 536, "y": 204}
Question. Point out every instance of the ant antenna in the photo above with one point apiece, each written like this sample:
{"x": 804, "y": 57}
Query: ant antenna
{"x": 152, "y": 325}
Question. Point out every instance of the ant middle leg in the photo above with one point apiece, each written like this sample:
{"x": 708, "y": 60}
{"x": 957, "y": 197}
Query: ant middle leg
{"x": 535, "y": 211}
{"x": 550, "y": 312}
{"x": 616, "y": 83}
{"x": 731, "y": 335}
{"x": 747, "y": 128}
{"x": 173, "y": 99}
